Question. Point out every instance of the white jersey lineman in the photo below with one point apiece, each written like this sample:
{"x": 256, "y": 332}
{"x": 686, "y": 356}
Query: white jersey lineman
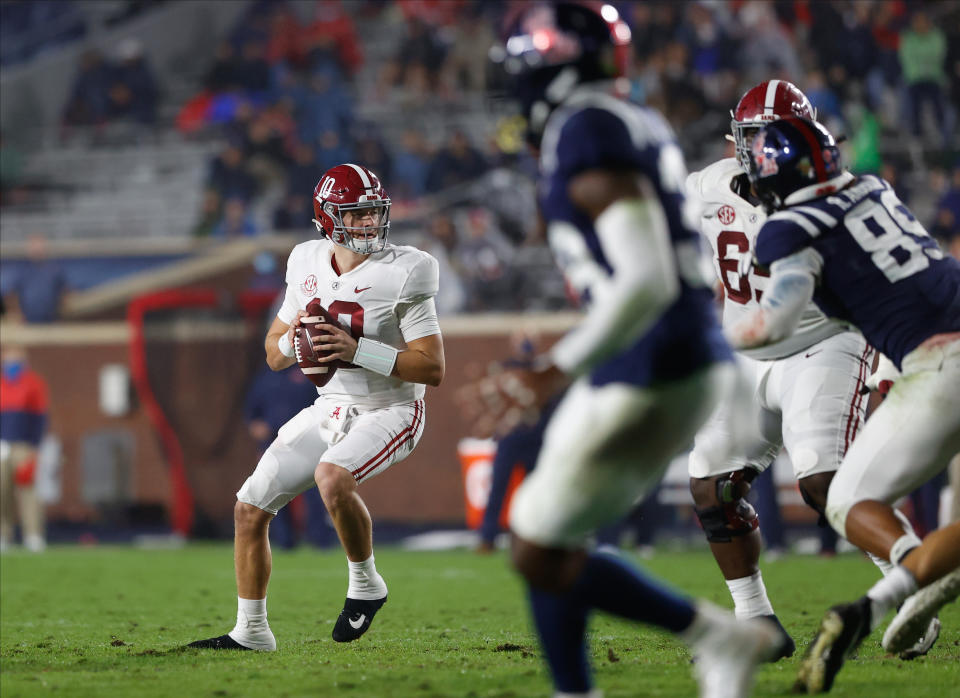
{"x": 807, "y": 386}
{"x": 361, "y": 421}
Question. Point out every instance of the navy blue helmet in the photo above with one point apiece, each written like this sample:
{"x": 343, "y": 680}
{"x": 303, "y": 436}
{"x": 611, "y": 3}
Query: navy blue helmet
{"x": 549, "y": 48}
{"x": 794, "y": 160}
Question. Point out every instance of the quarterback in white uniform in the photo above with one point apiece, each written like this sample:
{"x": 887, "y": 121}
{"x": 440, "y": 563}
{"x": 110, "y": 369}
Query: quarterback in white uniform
{"x": 806, "y": 390}
{"x": 368, "y": 416}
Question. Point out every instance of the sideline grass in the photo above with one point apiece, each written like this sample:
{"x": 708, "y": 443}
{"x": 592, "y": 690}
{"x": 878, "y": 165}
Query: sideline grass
{"x": 107, "y": 622}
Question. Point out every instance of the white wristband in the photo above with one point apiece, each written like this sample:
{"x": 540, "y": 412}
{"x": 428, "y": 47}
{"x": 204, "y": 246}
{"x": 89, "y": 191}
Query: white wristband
{"x": 375, "y": 356}
{"x": 285, "y": 346}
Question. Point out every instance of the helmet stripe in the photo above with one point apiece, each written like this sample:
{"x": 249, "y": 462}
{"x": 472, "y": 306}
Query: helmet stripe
{"x": 367, "y": 184}
{"x": 807, "y": 133}
{"x": 770, "y": 99}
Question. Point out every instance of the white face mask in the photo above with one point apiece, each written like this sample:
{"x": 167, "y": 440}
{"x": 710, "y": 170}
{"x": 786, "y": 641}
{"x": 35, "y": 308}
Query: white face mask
{"x": 368, "y": 229}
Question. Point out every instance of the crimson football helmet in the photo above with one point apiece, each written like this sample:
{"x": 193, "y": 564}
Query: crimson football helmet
{"x": 768, "y": 101}
{"x": 352, "y": 189}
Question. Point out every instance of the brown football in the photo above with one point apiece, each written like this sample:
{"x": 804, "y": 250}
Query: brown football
{"x": 307, "y": 358}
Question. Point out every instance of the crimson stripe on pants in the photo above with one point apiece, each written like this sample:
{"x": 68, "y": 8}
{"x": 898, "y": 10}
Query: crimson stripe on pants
{"x": 394, "y": 444}
{"x": 853, "y": 419}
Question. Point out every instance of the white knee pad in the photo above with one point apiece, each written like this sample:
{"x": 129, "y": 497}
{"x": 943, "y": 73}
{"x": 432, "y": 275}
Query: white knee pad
{"x": 262, "y": 489}
{"x": 838, "y": 506}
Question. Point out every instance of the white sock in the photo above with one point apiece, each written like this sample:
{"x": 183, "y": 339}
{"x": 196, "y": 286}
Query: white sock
{"x": 251, "y": 619}
{"x": 884, "y": 566}
{"x": 365, "y": 582}
{"x": 889, "y": 592}
{"x": 750, "y": 596}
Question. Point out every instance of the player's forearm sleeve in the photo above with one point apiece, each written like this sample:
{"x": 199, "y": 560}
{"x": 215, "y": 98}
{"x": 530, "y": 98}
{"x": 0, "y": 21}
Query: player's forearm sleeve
{"x": 791, "y": 287}
{"x": 635, "y": 239}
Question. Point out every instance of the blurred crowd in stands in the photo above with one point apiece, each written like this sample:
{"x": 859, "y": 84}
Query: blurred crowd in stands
{"x": 30, "y": 27}
{"x": 295, "y": 88}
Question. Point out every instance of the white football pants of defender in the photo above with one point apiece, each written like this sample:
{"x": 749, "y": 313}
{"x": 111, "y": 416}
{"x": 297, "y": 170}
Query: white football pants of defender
{"x": 910, "y": 437}
{"x": 363, "y": 440}
{"x": 606, "y": 447}
{"x": 808, "y": 403}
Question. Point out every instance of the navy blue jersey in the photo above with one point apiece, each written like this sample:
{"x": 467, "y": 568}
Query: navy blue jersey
{"x": 598, "y": 131}
{"x": 881, "y": 271}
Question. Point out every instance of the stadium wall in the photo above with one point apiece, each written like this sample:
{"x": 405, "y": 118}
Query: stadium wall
{"x": 199, "y": 370}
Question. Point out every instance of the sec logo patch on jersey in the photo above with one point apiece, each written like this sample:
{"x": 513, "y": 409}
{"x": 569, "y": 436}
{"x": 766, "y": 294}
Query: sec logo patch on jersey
{"x": 309, "y": 285}
{"x": 726, "y": 214}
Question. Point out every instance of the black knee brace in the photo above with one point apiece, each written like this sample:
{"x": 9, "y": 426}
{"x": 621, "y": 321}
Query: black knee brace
{"x": 734, "y": 517}
{"x": 723, "y": 524}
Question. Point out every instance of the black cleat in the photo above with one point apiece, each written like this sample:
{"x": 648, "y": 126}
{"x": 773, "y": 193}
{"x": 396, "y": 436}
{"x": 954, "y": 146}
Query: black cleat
{"x": 224, "y": 642}
{"x": 787, "y": 645}
{"x": 841, "y": 631}
{"x": 355, "y": 618}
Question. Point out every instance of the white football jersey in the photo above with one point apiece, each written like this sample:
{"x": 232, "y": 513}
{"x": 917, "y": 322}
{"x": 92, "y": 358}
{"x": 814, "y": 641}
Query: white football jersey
{"x": 387, "y": 298}
{"x": 731, "y": 225}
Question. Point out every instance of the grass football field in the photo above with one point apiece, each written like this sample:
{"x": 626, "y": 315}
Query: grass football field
{"x": 108, "y": 622}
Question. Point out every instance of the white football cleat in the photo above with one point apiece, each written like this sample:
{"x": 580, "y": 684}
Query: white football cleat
{"x": 915, "y": 615}
{"x": 925, "y": 643}
{"x": 727, "y": 651}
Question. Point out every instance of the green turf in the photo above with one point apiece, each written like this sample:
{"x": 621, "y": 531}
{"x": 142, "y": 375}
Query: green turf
{"x": 107, "y": 621}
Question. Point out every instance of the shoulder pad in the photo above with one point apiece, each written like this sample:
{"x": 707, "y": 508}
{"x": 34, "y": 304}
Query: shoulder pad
{"x": 423, "y": 279}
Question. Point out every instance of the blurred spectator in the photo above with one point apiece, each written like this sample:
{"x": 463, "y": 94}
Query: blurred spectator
{"x": 304, "y": 173}
{"x": 42, "y": 284}
{"x": 857, "y": 51}
{"x": 324, "y": 106}
{"x": 866, "y": 142}
{"x": 225, "y": 73}
{"x": 236, "y": 221}
{"x": 286, "y": 41}
{"x": 264, "y": 153}
{"x": 29, "y": 28}
{"x": 252, "y": 68}
{"x": 923, "y": 50}
{"x": 652, "y": 26}
{"x": 684, "y": 101}
{"x": 210, "y": 215}
{"x": 372, "y": 153}
{"x": 822, "y": 98}
{"x": 416, "y": 65}
{"x": 295, "y": 213}
{"x": 465, "y": 67}
{"x": 484, "y": 261}
{"x": 892, "y": 170}
{"x": 229, "y": 177}
{"x": 766, "y": 48}
{"x": 23, "y": 420}
{"x": 946, "y": 224}
{"x": 711, "y": 49}
{"x": 456, "y": 163}
{"x": 333, "y": 34}
{"x": 332, "y": 150}
{"x": 886, "y": 26}
{"x": 89, "y": 101}
{"x": 274, "y": 398}
{"x": 441, "y": 242}
{"x": 11, "y": 170}
{"x": 411, "y": 166}
{"x": 133, "y": 89}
